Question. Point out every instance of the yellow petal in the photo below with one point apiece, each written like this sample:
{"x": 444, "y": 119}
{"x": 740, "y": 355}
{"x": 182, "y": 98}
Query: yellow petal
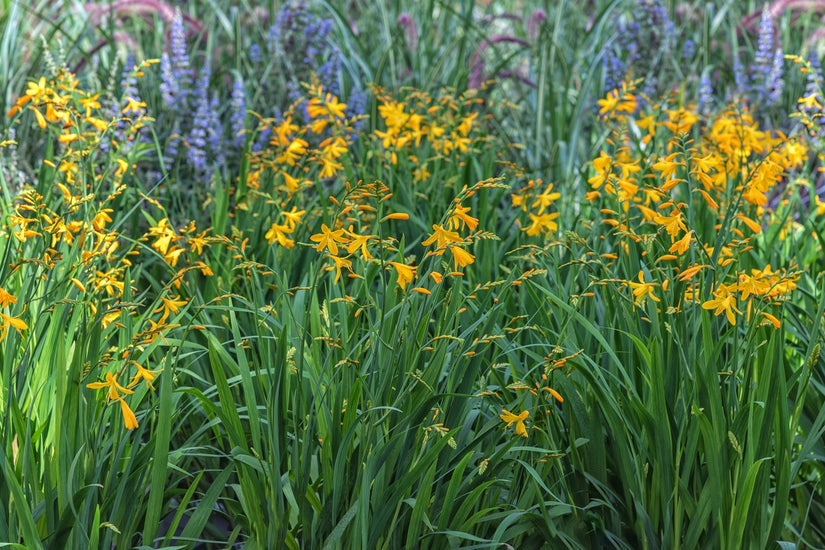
{"x": 129, "y": 419}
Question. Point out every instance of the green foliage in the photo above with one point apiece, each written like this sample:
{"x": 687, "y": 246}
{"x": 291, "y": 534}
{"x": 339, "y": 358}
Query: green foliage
{"x": 387, "y": 328}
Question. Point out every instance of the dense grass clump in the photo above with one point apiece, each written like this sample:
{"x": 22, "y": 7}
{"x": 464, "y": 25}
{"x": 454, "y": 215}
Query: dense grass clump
{"x": 430, "y": 275}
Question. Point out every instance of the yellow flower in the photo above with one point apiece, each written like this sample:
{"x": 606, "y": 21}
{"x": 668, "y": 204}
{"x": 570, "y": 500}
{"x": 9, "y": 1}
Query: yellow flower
{"x": 111, "y": 383}
{"x": 519, "y": 419}
{"x": 724, "y": 301}
{"x": 278, "y": 233}
{"x": 616, "y": 103}
{"x": 460, "y": 217}
{"x": 293, "y": 217}
{"x": 682, "y": 245}
{"x": 327, "y": 106}
{"x": 172, "y": 255}
{"x": 198, "y": 242}
{"x": 360, "y": 241}
{"x": 672, "y": 223}
{"x": 129, "y": 419}
{"x": 101, "y": 219}
{"x": 133, "y": 106}
{"x": 642, "y": 290}
{"x": 442, "y": 237}
{"x": 810, "y": 102}
{"x": 461, "y": 257}
{"x": 142, "y": 374}
{"x": 543, "y": 223}
{"x": 296, "y": 148}
{"x": 773, "y": 320}
{"x": 545, "y": 199}
{"x": 753, "y": 286}
{"x": 164, "y": 234}
{"x": 327, "y": 239}
{"x": 8, "y": 321}
{"x": 169, "y": 306}
{"x": 338, "y": 264}
{"x": 667, "y": 166}
{"x": 109, "y": 318}
{"x": 6, "y": 298}
{"x": 405, "y": 273}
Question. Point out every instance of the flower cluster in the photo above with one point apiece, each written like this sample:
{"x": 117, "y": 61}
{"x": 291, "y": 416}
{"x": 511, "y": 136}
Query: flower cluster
{"x": 681, "y": 207}
{"x": 537, "y": 199}
{"x": 427, "y": 131}
{"x": 69, "y": 239}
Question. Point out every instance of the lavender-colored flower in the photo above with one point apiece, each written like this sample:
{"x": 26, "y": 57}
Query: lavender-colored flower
{"x": 763, "y": 57}
{"x": 178, "y": 56}
{"x": 129, "y": 79}
{"x": 614, "y": 70}
{"x": 273, "y": 40}
{"x": 774, "y": 83}
{"x": 630, "y": 41}
{"x": 705, "y": 95}
{"x": 170, "y": 153}
{"x": 658, "y": 18}
{"x": 688, "y": 49}
{"x": 238, "y": 117}
{"x": 643, "y": 40}
{"x": 169, "y": 86}
{"x": 299, "y": 42}
{"x": 263, "y": 139}
{"x": 255, "y": 53}
{"x": 356, "y": 105}
{"x": 766, "y": 72}
{"x": 328, "y": 73}
{"x": 174, "y": 66}
{"x": 739, "y": 77}
{"x": 196, "y": 155}
{"x": 651, "y": 84}
{"x": 214, "y": 132}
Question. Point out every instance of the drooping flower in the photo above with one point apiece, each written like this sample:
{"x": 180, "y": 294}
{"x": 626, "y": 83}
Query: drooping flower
{"x": 519, "y": 419}
{"x": 405, "y": 273}
{"x": 460, "y": 217}
{"x": 129, "y": 419}
{"x": 461, "y": 257}
{"x": 338, "y": 264}
{"x": 169, "y": 305}
{"x": 142, "y": 374}
{"x": 14, "y": 322}
{"x": 6, "y": 299}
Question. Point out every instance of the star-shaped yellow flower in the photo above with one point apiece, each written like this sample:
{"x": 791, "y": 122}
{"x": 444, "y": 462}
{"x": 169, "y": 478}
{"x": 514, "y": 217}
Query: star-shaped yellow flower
{"x": 519, "y": 419}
